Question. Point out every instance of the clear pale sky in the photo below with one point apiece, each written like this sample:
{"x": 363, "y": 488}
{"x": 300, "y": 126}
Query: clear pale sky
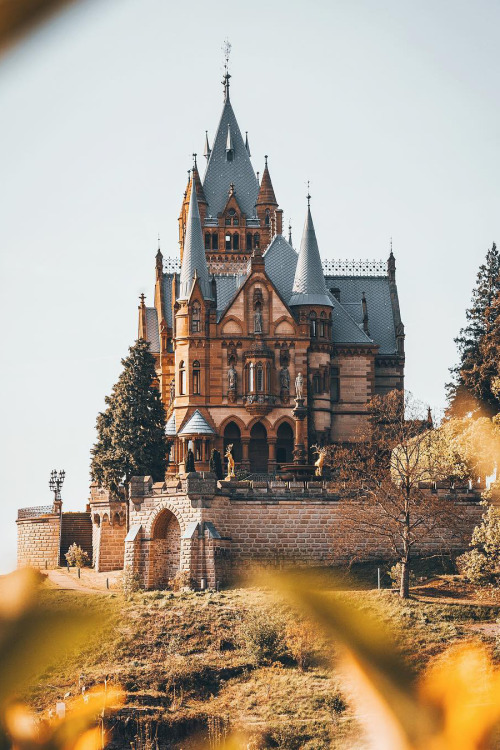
{"x": 390, "y": 109}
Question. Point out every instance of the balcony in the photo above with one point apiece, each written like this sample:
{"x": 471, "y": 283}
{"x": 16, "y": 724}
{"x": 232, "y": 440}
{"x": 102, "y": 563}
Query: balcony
{"x": 259, "y": 403}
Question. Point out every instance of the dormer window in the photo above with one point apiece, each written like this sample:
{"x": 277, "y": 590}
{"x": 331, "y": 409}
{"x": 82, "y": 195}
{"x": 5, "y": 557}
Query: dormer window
{"x": 229, "y": 154}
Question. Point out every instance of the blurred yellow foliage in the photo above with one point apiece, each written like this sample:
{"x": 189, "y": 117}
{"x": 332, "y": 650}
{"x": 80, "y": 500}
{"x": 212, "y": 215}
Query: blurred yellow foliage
{"x": 32, "y": 636}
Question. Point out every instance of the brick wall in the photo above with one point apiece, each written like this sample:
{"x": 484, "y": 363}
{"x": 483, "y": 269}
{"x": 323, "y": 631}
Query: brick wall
{"x": 38, "y": 541}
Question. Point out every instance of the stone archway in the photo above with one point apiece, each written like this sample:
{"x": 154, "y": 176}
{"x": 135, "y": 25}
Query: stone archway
{"x": 232, "y": 435}
{"x": 284, "y": 444}
{"x": 165, "y": 553}
{"x": 259, "y": 449}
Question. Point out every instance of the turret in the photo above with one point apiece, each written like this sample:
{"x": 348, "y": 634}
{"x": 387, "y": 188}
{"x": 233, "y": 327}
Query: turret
{"x": 309, "y": 287}
{"x": 194, "y": 263}
{"x": 271, "y": 218}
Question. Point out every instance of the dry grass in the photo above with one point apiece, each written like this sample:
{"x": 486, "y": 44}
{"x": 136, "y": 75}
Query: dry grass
{"x": 184, "y": 663}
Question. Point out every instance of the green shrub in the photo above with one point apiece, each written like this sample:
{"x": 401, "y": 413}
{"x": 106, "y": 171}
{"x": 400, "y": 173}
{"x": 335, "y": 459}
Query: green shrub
{"x": 264, "y": 636}
{"x": 475, "y": 566}
{"x": 76, "y": 556}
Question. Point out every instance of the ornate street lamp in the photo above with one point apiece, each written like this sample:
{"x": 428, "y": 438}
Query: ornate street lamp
{"x": 56, "y": 482}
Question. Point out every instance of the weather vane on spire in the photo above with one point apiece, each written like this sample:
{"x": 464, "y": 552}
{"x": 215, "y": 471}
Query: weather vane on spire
{"x": 226, "y": 49}
{"x": 308, "y": 196}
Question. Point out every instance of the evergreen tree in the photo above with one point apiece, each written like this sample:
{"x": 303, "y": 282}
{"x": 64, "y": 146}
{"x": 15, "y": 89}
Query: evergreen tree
{"x": 472, "y": 377}
{"x": 131, "y": 431}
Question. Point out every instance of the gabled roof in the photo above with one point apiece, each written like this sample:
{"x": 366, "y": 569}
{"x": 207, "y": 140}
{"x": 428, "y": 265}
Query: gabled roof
{"x": 345, "y": 330}
{"x": 197, "y": 425}
{"x": 309, "y": 286}
{"x": 194, "y": 262}
{"x": 281, "y": 261}
{"x": 170, "y": 428}
{"x": 220, "y": 172}
{"x": 379, "y": 306}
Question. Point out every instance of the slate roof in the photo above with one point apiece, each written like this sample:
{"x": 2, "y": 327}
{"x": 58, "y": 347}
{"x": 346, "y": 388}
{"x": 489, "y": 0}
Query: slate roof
{"x": 281, "y": 261}
{"x": 152, "y": 330}
{"x": 345, "y": 330}
{"x": 381, "y": 322}
{"x": 170, "y": 428}
{"x": 220, "y": 172}
{"x": 227, "y": 287}
{"x": 309, "y": 286}
{"x": 194, "y": 259}
{"x": 197, "y": 425}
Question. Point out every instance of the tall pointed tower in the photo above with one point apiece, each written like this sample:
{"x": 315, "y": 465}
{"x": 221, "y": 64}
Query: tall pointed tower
{"x": 237, "y": 215}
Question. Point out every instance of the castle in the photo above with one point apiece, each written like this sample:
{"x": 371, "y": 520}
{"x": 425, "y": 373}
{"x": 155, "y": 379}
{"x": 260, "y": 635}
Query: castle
{"x": 260, "y": 347}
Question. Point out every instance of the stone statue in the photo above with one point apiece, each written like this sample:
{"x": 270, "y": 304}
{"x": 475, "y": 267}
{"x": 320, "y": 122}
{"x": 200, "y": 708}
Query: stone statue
{"x": 320, "y": 461}
{"x": 172, "y": 391}
{"x": 284, "y": 378}
{"x": 232, "y": 378}
{"x": 257, "y": 320}
{"x": 299, "y": 385}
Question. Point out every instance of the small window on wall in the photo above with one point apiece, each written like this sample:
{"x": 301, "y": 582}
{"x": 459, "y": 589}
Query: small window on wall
{"x": 207, "y": 241}
{"x": 317, "y": 383}
{"x": 267, "y": 218}
{"x": 182, "y": 379}
{"x": 260, "y": 378}
{"x": 236, "y": 221}
{"x": 335, "y": 385}
{"x": 228, "y": 242}
{"x": 196, "y": 378}
{"x": 249, "y": 242}
{"x": 251, "y": 378}
{"x": 196, "y": 318}
{"x": 228, "y": 221}
{"x": 215, "y": 242}
{"x": 256, "y": 239}
{"x": 236, "y": 242}
{"x": 313, "y": 324}
{"x": 197, "y": 450}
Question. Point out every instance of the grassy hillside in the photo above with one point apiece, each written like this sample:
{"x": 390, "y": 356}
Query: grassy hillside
{"x": 201, "y": 662}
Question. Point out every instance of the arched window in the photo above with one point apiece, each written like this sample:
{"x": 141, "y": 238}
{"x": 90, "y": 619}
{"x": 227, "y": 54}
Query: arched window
{"x": 313, "y": 324}
{"x": 228, "y": 220}
{"x": 196, "y": 378}
{"x": 207, "y": 240}
{"x": 215, "y": 242}
{"x": 256, "y": 239}
{"x": 236, "y": 241}
{"x": 182, "y": 379}
{"x": 196, "y": 318}
{"x": 228, "y": 242}
{"x": 267, "y": 219}
{"x": 249, "y": 241}
{"x": 251, "y": 378}
{"x": 260, "y": 378}
{"x": 236, "y": 221}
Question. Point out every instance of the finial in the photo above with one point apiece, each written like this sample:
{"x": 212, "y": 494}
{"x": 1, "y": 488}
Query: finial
{"x": 158, "y": 240}
{"x": 142, "y": 297}
{"x": 308, "y": 196}
{"x": 290, "y": 232}
{"x": 189, "y": 175}
{"x": 265, "y": 157}
{"x": 231, "y": 188}
{"x": 195, "y": 166}
{"x": 258, "y": 178}
{"x": 226, "y": 49}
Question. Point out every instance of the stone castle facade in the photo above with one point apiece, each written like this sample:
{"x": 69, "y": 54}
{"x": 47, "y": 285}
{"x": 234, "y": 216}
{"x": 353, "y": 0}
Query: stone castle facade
{"x": 261, "y": 347}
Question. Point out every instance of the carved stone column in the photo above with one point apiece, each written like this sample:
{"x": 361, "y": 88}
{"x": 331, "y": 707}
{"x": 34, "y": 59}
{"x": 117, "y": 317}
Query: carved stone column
{"x": 299, "y": 414}
{"x": 245, "y": 458}
{"x": 271, "y": 463}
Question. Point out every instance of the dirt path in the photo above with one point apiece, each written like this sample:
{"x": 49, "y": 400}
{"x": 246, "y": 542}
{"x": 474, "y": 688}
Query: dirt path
{"x": 89, "y": 582}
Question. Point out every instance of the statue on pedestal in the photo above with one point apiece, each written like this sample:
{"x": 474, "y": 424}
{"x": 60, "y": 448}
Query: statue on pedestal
{"x": 232, "y": 377}
{"x": 284, "y": 379}
{"x": 257, "y": 320}
{"x": 299, "y": 386}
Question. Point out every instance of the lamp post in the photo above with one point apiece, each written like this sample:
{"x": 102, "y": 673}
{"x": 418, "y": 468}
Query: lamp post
{"x": 55, "y": 483}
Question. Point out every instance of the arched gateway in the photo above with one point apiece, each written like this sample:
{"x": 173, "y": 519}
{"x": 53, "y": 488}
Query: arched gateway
{"x": 165, "y": 554}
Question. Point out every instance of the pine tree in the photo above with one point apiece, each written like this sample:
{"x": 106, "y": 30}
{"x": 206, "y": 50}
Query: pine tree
{"x": 131, "y": 431}
{"x": 472, "y": 380}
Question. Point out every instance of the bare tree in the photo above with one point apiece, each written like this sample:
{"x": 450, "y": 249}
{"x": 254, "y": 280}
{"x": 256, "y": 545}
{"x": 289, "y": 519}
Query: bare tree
{"x": 383, "y": 472}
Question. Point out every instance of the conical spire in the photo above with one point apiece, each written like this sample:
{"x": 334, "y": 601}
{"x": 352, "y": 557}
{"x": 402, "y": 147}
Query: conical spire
{"x": 194, "y": 263}
{"x": 196, "y": 177}
{"x": 247, "y": 144}
{"x": 207, "y": 151}
{"x": 309, "y": 287}
{"x": 266, "y": 192}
